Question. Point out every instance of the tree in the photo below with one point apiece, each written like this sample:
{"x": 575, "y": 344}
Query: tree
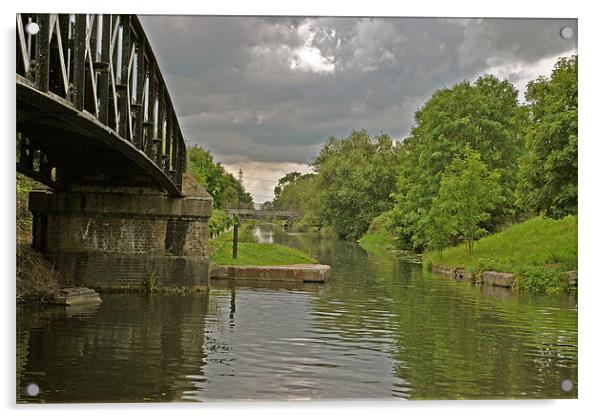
{"x": 355, "y": 177}
{"x": 548, "y": 170}
{"x": 468, "y": 194}
{"x": 223, "y": 187}
{"x": 485, "y": 117}
{"x": 298, "y": 194}
{"x": 286, "y": 179}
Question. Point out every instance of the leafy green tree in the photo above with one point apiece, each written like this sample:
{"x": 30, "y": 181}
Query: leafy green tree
{"x": 484, "y": 116}
{"x": 468, "y": 194}
{"x": 286, "y": 179}
{"x": 441, "y": 226}
{"x": 548, "y": 171}
{"x": 298, "y": 195}
{"x": 355, "y": 177}
{"x": 225, "y": 189}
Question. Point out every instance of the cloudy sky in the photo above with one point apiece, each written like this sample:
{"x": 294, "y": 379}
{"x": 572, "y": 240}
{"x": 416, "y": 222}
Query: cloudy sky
{"x": 263, "y": 93}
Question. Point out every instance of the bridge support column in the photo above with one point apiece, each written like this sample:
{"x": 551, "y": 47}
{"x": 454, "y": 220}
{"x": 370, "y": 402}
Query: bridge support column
{"x": 121, "y": 240}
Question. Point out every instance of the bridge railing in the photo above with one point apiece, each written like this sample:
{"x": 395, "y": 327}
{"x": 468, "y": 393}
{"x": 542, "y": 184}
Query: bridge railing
{"x": 104, "y": 65}
{"x": 260, "y": 213}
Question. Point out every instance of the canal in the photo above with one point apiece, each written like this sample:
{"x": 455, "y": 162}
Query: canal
{"x": 380, "y": 328}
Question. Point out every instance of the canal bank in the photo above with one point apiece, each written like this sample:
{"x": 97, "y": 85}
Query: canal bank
{"x": 539, "y": 255}
{"x": 499, "y": 279}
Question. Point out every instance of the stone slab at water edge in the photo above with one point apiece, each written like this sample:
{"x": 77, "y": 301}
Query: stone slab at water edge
{"x": 495, "y": 278}
{"x": 74, "y": 296}
{"x": 318, "y": 273}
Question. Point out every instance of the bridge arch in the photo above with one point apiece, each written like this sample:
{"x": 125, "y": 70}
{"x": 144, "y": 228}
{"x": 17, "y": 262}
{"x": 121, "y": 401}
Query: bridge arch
{"x": 92, "y": 105}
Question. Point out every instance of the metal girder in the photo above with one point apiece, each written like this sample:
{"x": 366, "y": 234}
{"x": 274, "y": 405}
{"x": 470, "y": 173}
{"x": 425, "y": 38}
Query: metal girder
{"x": 99, "y": 74}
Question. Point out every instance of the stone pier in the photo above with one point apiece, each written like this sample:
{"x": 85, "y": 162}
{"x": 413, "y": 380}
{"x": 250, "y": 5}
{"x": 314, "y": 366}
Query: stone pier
{"x": 123, "y": 239}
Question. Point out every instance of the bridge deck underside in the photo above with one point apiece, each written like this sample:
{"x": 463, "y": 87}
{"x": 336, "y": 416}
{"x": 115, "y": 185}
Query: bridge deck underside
{"x": 83, "y": 151}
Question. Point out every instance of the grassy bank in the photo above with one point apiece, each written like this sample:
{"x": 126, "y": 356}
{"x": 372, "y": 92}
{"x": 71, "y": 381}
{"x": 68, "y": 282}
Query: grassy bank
{"x": 377, "y": 241}
{"x": 537, "y": 251}
{"x": 251, "y": 253}
{"x": 379, "y": 236}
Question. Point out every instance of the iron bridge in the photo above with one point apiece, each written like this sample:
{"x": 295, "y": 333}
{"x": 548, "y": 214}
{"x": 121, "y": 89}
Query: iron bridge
{"x": 92, "y": 106}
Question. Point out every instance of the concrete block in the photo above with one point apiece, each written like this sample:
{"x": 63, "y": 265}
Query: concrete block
{"x": 494, "y": 278}
{"x": 317, "y": 273}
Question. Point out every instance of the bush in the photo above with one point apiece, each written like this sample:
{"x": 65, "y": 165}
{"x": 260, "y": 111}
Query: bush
{"x": 219, "y": 222}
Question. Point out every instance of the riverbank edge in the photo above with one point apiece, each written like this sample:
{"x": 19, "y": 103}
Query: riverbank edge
{"x": 378, "y": 242}
{"x": 495, "y": 278}
{"x": 157, "y": 289}
{"x": 525, "y": 275}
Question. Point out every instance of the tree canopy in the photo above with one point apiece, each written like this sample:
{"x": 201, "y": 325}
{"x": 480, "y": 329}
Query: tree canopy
{"x": 485, "y": 117}
{"x": 468, "y": 193}
{"x": 355, "y": 177}
{"x": 548, "y": 171}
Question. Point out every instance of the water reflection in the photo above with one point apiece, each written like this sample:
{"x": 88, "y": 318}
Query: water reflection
{"x": 380, "y": 328}
{"x": 130, "y": 348}
{"x": 265, "y": 233}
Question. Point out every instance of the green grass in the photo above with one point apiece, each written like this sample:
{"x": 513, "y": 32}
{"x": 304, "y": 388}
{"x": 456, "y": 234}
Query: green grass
{"x": 537, "y": 251}
{"x": 382, "y": 244}
{"x": 379, "y": 236}
{"x": 376, "y": 241}
{"x": 254, "y": 254}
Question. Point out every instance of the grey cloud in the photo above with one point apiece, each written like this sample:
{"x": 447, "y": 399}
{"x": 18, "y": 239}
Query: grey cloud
{"x": 236, "y": 94}
{"x": 500, "y": 40}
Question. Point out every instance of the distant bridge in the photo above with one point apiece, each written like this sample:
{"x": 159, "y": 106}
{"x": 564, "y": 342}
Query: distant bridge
{"x": 263, "y": 214}
{"x": 96, "y": 124}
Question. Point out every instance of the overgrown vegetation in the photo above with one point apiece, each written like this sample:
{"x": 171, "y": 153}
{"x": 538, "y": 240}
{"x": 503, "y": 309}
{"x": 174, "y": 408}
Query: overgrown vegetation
{"x": 379, "y": 236}
{"x": 35, "y": 275}
{"x": 484, "y": 117}
{"x": 224, "y": 188}
{"x": 219, "y": 222}
{"x": 467, "y": 195}
{"x": 538, "y": 251}
{"x": 150, "y": 278}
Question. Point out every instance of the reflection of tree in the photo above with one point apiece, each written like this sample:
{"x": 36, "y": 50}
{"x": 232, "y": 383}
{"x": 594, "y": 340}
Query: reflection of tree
{"x": 473, "y": 346}
{"x": 448, "y": 339}
{"x": 133, "y": 348}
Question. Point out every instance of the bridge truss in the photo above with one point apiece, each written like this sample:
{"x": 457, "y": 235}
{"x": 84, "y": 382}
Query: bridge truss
{"x": 92, "y": 105}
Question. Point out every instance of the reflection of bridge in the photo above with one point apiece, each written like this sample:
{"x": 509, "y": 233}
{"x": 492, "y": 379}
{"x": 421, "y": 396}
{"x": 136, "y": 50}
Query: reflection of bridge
{"x": 95, "y": 122}
{"x": 263, "y": 214}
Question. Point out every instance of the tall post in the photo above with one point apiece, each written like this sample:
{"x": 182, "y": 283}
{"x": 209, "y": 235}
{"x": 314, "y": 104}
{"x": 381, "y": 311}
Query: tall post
{"x": 235, "y": 241}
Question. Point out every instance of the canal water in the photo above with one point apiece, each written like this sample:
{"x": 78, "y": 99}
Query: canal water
{"x": 381, "y": 328}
